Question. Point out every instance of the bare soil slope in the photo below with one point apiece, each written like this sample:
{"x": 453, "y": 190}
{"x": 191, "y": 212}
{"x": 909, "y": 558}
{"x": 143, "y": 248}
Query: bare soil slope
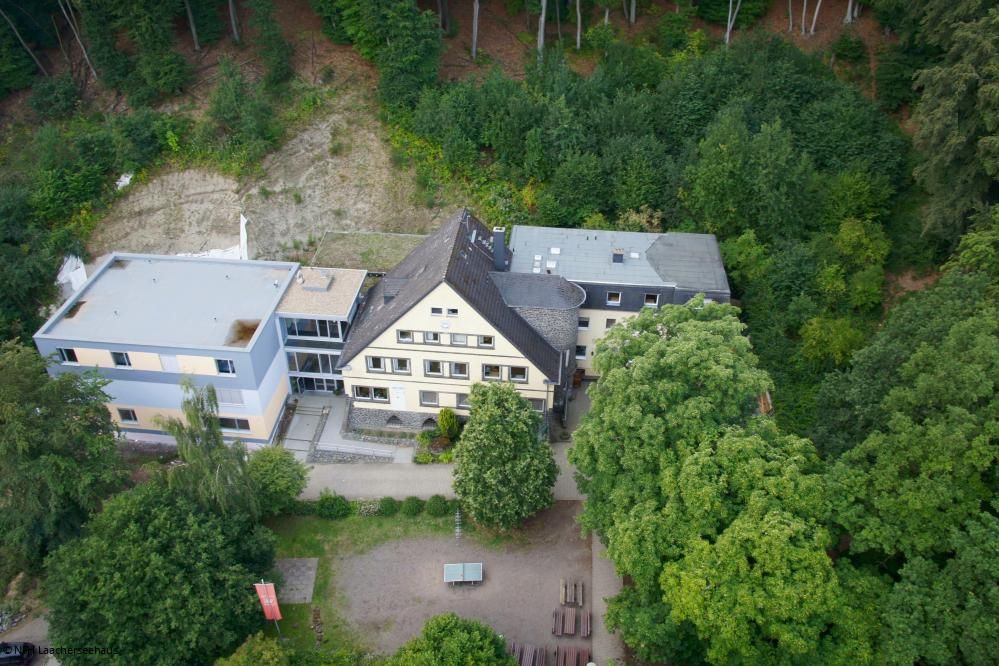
{"x": 307, "y": 190}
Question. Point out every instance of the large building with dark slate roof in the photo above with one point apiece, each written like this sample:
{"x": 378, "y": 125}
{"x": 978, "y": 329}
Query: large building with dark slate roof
{"x": 464, "y": 307}
{"x": 621, "y": 272}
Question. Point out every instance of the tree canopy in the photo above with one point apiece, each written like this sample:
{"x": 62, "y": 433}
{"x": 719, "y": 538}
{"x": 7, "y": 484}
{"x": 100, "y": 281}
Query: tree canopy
{"x": 501, "y": 448}
{"x": 450, "y": 640}
{"x": 59, "y": 452}
{"x": 158, "y": 579}
{"x": 216, "y": 475}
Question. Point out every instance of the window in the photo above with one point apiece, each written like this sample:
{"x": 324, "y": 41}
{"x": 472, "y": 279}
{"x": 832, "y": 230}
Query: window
{"x": 462, "y": 400}
{"x": 127, "y": 415}
{"x": 491, "y": 372}
{"x": 433, "y": 368}
{"x": 651, "y": 300}
{"x": 437, "y": 312}
{"x": 452, "y": 312}
{"x": 432, "y": 338}
{"x": 400, "y": 365}
{"x": 121, "y": 359}
{"x": 613, "y": 298}
{"x": 537, "y": 404}
{"x": 459, "y": 339}
{"x": 225, "y": 366}
{"x": 518, "y": 374}
{"x": 459, "y": 370}
{"x": 584, "y": 323}
{"x": 486, "y": 341}
{"x": 580, "y": 351}
{"x": 376, "y": 363}
{"x": 67, "y": 355}
{"x": 376, "y": 393}
{"x": 233, "y": 424}
{"x": 229, "y": 396}
{"x": 609, "y": 323}
{"x": 307, "y": 328}
{"x": 428, "y": 398}
{"x": 405, "y": 336}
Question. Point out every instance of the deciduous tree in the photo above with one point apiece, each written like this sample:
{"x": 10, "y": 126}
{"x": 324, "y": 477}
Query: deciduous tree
{"x": 501, "y": 449}
{"x": 449, "y": 640}
{"x": 159, "y": 580}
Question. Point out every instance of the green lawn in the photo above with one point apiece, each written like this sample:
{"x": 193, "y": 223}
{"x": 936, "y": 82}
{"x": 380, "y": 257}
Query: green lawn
{"x": 308, "y": 536}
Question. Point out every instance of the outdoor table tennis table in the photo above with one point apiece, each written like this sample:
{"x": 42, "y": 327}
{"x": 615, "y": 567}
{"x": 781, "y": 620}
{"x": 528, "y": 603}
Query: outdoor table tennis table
{"x": 467, "y": 572}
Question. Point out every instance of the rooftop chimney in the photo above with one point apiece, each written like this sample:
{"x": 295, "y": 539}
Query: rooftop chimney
{"x": 499, "y": 249}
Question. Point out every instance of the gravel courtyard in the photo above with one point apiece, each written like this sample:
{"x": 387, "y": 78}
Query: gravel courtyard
{"x": 392, "y": 590}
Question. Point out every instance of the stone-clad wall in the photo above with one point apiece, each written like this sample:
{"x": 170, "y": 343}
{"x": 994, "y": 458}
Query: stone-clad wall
{"x": 377, "y": 419}
{"x": 558, "y": 327}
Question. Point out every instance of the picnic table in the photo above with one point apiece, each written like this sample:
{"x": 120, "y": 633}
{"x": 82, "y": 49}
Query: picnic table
{"x": 465, "y": 572}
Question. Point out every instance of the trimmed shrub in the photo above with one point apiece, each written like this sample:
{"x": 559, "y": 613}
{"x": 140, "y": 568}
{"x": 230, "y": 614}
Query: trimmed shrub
{"x": 279, "y": 478}
{"x": 388, "y": 506}
{"x": 332, "y": 506}
{"x": 437, "y": 506}
{"x": 366, "y": 508}
{"x": 447, "y": 423}
{"x": 412, "y": 506}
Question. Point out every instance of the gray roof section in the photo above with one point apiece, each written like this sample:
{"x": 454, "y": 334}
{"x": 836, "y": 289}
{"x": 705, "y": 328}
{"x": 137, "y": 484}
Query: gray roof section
{"x": 460, "y": 254}
{"x": 691, "y": 261}
{"x": 188, "y": 302}
{"x": 548, "y": 292}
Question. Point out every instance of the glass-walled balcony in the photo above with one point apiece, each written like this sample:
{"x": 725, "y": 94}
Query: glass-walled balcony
{"x": 323, "y": 329}
{"x": 312, "y": 363}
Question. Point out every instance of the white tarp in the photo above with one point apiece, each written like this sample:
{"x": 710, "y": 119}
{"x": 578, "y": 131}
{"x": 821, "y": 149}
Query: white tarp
{"x": 72, "y": 275}
{"x": 215, "y": 253}
{"x": 234, "y": 252}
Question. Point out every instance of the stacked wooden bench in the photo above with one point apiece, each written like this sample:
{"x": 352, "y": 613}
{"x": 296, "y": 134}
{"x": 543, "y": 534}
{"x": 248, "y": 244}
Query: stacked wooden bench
{"x": 528, "y": 655}
{"x": 567, "y": 655}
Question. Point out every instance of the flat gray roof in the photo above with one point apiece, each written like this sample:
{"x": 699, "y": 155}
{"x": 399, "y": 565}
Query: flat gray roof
{"x": 166, "y": 301}
{"x": 583, "y": 255}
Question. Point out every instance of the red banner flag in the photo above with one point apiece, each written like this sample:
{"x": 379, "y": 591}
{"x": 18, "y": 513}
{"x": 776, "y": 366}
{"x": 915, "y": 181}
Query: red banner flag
{"x": 268, "y": 600}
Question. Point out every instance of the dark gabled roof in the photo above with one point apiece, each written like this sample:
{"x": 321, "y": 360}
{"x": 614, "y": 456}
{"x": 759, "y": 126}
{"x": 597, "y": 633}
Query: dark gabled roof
{"x": 460, "y": 254}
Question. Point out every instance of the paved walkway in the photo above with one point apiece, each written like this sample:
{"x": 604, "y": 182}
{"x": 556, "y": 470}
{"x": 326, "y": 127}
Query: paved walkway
{"x": 299, "y": 574}
{"x": 35, "y": 630}
{"x": 370, "y": 480}
{"x": 606, "y": 584}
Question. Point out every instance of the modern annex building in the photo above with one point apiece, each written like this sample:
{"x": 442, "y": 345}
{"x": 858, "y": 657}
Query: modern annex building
{"x": 256, "y": 330}
{"x": 463, "y": 307}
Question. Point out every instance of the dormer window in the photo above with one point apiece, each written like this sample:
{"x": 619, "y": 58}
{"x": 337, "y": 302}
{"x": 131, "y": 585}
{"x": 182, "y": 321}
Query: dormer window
{"x": 651, "y": 300}
{"x": 614, "y": 298}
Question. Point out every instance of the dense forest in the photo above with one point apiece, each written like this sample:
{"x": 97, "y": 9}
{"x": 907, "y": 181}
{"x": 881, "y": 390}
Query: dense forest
{"x": 859, "y": 523}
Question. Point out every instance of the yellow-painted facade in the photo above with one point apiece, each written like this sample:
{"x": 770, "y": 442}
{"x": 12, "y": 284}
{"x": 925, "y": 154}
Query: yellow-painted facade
{"x": 261, "y": 425}
{"x": 404, "y": 389}
{"x": 197, "y": 365}
{"x": 597, "y": 329}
